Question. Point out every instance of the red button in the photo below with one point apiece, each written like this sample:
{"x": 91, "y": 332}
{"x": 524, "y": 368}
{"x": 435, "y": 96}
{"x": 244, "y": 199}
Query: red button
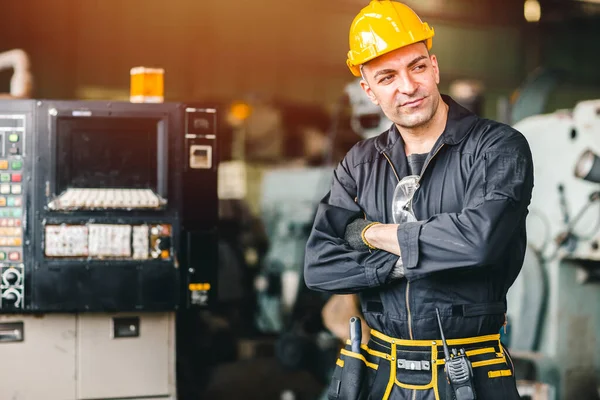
{"x": 16, "y": 177}
{"x": 14, "y": 256}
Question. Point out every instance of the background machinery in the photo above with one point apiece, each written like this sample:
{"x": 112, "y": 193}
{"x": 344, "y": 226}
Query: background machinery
{"x": 108, "y": 217}
{"x": 553, "y": 319}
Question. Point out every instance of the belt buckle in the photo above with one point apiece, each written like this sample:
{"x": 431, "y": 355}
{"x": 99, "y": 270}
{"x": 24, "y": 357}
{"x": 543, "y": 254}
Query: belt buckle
{"x": 413, "y": 365}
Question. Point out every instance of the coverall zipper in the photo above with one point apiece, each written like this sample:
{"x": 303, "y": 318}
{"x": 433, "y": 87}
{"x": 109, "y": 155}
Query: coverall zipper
{"x": 425, "y": 166}
{"x": 410, "y": 332}
{"x": 407, "y": 283}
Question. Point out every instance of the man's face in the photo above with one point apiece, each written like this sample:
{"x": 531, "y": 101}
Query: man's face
{"x": 404, "y": 84}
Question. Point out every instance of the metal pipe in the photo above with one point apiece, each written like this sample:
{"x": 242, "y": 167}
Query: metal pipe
{"x": 21, "y": 82}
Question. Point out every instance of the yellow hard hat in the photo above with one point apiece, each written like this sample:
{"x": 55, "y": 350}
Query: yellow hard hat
{"x": 381, "y": 27}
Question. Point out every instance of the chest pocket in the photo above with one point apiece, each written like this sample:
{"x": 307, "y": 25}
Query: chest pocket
{"x": 504, "y": 175}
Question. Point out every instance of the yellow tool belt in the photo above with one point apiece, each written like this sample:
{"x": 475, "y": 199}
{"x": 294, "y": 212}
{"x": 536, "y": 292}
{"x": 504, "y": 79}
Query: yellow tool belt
{"x": 389, "y": 364}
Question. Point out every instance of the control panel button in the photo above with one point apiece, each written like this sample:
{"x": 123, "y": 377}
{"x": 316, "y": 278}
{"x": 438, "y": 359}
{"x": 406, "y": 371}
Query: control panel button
{"x": 5, "y": 188}
{"x": 4, "y": 164}
{"x": 8, "y": 221}
{"x": 15, "y": 165}
{"x": 16, "y": 177}
{"x": 15, "y": 189}
{"x": 2, "y": 201}
{"x": 13, "y": 138}
{"x": 14, "y": 256}
{"x": 10, "y": 231}
{"x": 2, "y": 256}
{"x": 11, "y": 242}
{"x": 14, "y": 151}
{"x": 11, "y": 276}
{"x": 12, "y": 297}
{"x": 12, "y": 201}
{"x": 4, "y": 177}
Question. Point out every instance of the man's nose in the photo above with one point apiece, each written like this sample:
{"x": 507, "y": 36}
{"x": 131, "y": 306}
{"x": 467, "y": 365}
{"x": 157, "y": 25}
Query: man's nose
{"x": 407, "y": 85}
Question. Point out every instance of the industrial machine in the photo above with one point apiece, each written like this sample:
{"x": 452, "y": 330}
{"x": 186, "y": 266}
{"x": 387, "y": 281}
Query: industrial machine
{"x": 553, "y": 314}
{"x": 288, "y": 212}
{"x": 108, "y": 216}
{"x": 366, "y": 119}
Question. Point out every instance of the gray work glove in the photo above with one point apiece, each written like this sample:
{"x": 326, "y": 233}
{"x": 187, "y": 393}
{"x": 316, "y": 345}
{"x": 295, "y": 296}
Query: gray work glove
{"x": 353, "y": 234}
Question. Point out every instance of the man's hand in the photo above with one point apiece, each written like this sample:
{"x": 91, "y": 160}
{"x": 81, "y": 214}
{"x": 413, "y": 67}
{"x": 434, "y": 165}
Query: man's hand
{"x": 360, "y": 234}
{"x": 354, "y": 234}
{"x": 383, "y": 237}
{"x": 363, "y": 235}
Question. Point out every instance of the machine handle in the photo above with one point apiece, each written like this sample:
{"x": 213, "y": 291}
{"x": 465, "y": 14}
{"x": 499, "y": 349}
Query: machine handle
{"x": 11, "y": 332}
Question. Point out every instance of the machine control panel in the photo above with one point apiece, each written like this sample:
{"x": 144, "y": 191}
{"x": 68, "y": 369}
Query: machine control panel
{"x": 107, "y": 206}
{"x": 12, "y": 145}
{"x": 108, "y": 241}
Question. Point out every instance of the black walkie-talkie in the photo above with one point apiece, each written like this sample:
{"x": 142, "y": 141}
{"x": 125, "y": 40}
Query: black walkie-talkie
{"x": 458, "y": 369}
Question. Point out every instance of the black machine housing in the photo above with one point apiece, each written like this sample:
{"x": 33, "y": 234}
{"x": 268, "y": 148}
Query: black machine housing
{"x": 115, "y": 205}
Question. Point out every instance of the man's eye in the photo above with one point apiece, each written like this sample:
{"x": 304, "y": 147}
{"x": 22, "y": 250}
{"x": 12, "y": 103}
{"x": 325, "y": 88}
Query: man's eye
{"x": 419, "y": 67}
{"x": 385, "y": 79}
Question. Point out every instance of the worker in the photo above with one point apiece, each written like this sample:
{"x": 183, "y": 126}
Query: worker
{"x": 428, "y": 217}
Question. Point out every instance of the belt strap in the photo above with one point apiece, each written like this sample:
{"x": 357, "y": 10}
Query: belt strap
{"x": 427, "y": 343}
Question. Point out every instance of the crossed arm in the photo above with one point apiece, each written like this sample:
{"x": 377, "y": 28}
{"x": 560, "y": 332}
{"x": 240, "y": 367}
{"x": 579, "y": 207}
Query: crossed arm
{"x": 384, "y": 237}
{"x": 495, "y": 205}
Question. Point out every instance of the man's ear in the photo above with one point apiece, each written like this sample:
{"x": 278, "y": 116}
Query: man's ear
{"x": 367, "y": 89}
{"x": 436, "y": 68}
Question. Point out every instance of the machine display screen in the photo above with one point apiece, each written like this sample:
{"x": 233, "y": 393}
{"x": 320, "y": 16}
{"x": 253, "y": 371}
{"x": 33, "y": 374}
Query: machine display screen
{"x": 101, "y": 152}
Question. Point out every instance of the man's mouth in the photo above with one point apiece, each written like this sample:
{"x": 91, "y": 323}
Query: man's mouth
{"x": 413, "y": 103}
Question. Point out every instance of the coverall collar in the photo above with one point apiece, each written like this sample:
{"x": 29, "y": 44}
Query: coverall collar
{"x": 458, "y": 126}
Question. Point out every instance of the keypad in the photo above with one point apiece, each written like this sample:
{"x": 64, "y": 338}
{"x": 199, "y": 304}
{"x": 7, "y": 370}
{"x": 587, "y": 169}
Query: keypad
{"x": 12, "y": 274}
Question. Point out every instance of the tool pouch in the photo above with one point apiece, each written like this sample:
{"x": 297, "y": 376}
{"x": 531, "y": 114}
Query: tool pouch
{"x": 354, "y": 375}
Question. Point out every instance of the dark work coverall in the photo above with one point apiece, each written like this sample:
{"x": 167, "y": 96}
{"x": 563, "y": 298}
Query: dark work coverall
{"x": 461, "y": 257}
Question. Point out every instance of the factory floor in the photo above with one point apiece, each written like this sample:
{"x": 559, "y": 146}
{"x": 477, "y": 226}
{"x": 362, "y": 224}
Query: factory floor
{"x": 222, "y": 356}
{"x": 263, "y": 379}
{"x": 217, "y": 364}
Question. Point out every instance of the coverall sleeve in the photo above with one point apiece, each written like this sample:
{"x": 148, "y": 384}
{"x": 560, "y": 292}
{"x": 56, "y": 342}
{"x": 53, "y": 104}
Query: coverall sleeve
{"x": 497, "y": 195}
{"x": 331, "y": 265}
